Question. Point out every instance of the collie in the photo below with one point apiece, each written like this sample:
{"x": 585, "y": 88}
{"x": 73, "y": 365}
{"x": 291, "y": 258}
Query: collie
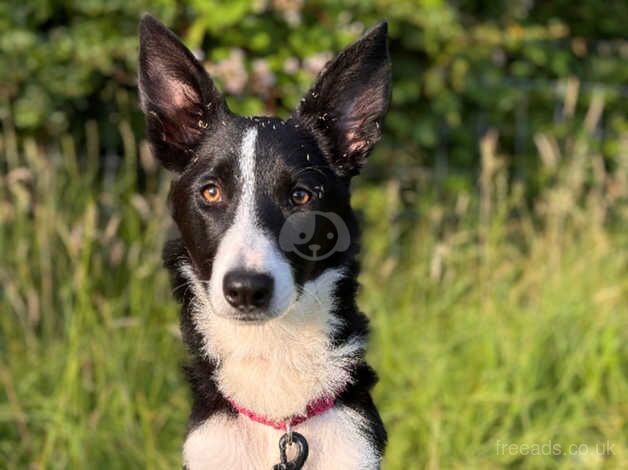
{"x": 265, "y": 265}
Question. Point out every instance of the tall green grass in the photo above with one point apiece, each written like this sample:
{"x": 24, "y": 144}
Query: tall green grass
{"x": 495, "y": 322}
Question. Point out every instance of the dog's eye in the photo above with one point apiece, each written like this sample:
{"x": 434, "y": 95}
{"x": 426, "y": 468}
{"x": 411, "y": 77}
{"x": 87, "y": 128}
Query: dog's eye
{"x": 212, "y": 193}
{"x": 300, "y": 197}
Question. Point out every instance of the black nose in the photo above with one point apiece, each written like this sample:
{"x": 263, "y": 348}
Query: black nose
{"x": 247, "y": 291}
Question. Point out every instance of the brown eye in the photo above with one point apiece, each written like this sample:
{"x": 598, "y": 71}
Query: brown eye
{"x": 300, "y": 197}
{"x": 212, "y": 193}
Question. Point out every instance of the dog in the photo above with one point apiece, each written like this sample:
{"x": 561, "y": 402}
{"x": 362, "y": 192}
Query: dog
{"x": 265, "y": 264}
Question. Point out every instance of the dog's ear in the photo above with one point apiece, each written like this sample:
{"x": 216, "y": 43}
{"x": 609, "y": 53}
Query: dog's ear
{"x": 179, "y": 99}
{"x": 346, "y": 106}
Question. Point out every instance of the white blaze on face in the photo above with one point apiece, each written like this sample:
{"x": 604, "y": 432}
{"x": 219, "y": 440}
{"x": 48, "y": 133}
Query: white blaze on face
{"x": 245, "y": 246}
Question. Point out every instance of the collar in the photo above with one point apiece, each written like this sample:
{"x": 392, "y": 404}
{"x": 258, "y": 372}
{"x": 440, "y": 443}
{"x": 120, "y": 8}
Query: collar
{"x": 313, "y": 408}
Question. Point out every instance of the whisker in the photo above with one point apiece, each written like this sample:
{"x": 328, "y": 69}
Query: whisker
{"x": 314, "y": 296}
{"x": 183, "y": 284}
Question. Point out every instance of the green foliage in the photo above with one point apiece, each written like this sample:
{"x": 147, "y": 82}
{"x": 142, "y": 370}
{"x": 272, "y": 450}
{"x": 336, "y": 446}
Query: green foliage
{"x": 459, "y": 68}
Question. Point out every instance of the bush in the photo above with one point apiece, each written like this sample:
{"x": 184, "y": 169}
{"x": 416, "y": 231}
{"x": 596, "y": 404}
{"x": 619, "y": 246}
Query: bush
{"x": 459, "y": 68}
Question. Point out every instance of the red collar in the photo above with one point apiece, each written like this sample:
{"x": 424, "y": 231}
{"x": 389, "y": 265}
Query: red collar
{"x": 313, "y": 408}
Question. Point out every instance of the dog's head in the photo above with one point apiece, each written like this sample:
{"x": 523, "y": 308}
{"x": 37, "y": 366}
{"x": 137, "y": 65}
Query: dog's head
{"x": 262, "y": 204}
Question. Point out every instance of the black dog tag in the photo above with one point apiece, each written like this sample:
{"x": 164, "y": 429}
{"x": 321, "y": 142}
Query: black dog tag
{"x": 302, "y": 452}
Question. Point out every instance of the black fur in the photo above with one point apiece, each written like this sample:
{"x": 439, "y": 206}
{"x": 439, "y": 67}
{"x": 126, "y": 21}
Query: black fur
{"x": 167, "y": 68}
{"x": 346, "y": 106}
{"x": 192, "y": 132}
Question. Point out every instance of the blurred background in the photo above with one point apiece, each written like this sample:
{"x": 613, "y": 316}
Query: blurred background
{"x": 495, "y": 211}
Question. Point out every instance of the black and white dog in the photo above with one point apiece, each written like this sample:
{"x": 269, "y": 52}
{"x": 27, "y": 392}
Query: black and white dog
{"x": 265, "y": 267}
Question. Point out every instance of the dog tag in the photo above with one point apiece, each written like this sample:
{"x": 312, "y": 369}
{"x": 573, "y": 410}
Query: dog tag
{"x": 302, "y": 452}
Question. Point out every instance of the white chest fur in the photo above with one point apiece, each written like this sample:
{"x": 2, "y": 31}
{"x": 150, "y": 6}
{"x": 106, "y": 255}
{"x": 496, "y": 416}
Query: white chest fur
{"x": 336, "y": 440}
{"x": 277, "y": 368}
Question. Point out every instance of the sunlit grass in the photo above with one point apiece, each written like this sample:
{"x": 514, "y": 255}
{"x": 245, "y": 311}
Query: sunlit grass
{"x": 493, "y": 321}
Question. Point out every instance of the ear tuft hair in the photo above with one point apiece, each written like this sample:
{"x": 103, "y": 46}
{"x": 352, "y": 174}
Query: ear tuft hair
{"x": 179, "y": 99}
{"x": 346, "y": 106}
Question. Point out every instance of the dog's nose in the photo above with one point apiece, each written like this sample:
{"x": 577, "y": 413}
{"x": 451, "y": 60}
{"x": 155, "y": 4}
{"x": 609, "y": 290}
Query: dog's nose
{"x": 247, "y": 291}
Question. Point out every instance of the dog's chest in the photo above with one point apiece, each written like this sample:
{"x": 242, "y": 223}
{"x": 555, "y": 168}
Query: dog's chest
{"x": 336, "y": 440}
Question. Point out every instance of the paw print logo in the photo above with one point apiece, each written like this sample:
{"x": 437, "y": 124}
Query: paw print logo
{"x": 314, "y": 235}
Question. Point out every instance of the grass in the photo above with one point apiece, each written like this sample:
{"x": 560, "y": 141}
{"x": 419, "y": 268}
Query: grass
{"x": 495, "y": 323}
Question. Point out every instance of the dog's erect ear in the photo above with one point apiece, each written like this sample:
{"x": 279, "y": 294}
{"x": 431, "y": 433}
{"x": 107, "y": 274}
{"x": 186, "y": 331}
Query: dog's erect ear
{"x": 346, "y": 106}
{"x": 176, "y": 94}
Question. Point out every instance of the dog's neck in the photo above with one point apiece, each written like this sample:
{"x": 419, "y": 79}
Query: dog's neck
{"x": 276, "y": 368}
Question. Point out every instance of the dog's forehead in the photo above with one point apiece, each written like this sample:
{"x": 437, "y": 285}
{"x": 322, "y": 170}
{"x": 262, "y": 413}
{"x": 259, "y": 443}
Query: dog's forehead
{"x": 273, "y": 144}
{"x": 283, "y": 143}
